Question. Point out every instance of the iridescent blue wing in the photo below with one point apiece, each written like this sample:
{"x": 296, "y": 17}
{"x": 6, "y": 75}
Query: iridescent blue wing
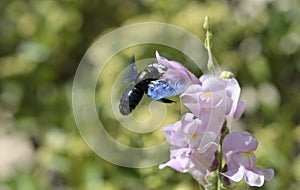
{"x": 132, "y": 73}
{"x": 160, "y": 89}
{"x": 147, "y": 81}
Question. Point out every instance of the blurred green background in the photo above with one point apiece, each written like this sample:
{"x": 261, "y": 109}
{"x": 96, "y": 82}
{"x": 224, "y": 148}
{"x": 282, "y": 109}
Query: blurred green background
{"x": 42, "y": 43}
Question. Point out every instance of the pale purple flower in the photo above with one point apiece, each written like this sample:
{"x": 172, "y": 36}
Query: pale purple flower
{"x": 185, "y": 133}
{"x": 210, "y": 103}
{"x": 238, "y": 153}
{"x": 185, "y": 137}
{"x": 214, "y": 92}
{"x": 233, "y": 90}
{"x": 200, "y": 99}
{"x": 176, "y": 74}
{"x": 239, "y": 110}
{"x": 196, "y": 137}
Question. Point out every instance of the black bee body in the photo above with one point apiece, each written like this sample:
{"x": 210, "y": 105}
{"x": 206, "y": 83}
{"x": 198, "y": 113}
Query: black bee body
{"x": 134, "y": 93}
{"x": 150, "y": 72}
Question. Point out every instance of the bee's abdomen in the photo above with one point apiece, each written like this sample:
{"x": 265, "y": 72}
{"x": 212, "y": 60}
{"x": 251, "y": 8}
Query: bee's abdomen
{"x": 133, "y": 95}
{"x": 130, "y": 99}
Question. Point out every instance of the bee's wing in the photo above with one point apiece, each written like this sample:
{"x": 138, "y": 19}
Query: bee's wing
{"x": 132, "y": 73}
{"x": 160, "y": 89}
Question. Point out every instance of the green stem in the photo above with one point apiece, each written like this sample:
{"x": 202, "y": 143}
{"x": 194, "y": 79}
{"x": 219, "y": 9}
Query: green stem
{"x": 208, "y": 45}
{"x": 219, "y": 183}
{"x": 224, "y": 132}
{"x": 210, "y": 64}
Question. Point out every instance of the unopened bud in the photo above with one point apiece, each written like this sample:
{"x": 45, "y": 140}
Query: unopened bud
{"x": 226, "y": 75}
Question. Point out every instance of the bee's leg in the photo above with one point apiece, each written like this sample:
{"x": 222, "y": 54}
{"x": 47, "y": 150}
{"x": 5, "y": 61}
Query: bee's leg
{"x": 167, "y": 101}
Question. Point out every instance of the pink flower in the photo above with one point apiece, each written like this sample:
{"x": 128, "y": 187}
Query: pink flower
{"x": 196, "y": 137}
{"x": 185, "y": 133}
{"x": 233, "y": 90}
{"x": 213, "y": 93}
{"x": 176, "y": 74}
{"x": 200, "y": 99}
{"x": 210, "y": 103}
{"x": 185, "y": 137}
{"x": 238, "y": 150}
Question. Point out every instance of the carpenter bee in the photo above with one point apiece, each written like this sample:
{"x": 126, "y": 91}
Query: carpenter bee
{"x": 148, "y": 82}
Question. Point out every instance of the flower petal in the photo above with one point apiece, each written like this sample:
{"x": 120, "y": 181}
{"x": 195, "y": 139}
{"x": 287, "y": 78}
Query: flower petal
{"x": 233, "y": 87}
{"x": 176, "y": 66}
{"x": 268, "y": 173}
{"x": 254, "y": 179}
{"x": 235, "y": 174}
{"x": 185, "y": 133}
{"x": 240, "y": 141}
{"x": 179, "y": 164}
{"x": 239, "y": 110}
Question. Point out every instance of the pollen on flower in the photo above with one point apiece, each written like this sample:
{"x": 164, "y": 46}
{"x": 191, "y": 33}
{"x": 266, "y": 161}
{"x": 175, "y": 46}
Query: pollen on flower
{"x": 247, "y": 153}
{"x": 206, "y": 95}
{"x": 194, "y": 136}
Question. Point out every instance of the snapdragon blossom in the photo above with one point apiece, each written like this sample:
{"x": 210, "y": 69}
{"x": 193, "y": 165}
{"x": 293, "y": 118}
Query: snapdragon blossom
{"x": 214, "y": 92}
{"x": 175, "y": 78}
{"x": 185, "y": 137}
{"x": 213, "y": 102}
{"x": 238, "y": 153}
{"x": 176, "y": 72}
